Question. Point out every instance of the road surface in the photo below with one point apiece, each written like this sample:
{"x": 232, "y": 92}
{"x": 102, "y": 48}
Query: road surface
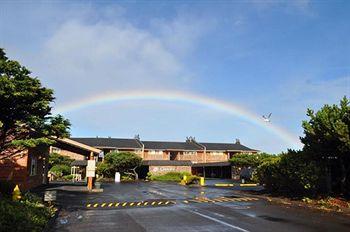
{"x": 157, "y": 206}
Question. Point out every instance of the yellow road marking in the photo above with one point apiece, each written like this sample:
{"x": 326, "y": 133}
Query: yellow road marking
{"x": 88, "y": 205}
{"x": 103, "y": 205}
{"x": 117, "y": 204}
{"x": 95, "y": 205}
{"x": 110, "y": 204}
{"x": 124, "y": 204}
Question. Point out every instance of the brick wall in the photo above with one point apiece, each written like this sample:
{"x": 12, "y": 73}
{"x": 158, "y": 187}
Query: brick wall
{"x": 16, "y": 168}
{"x": 72, "y": 155}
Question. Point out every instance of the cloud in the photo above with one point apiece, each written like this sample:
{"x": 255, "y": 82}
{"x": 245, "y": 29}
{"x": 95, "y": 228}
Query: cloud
{"x": 83, "y": 58}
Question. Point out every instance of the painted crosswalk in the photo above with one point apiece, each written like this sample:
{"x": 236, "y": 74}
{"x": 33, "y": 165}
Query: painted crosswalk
{"x": 219, "y": 200}
{"x": 161, "y": 203}
{"x": 132, "y": 204}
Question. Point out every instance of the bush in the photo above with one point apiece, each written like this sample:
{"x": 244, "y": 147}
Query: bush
{"x": 29, "y": 214}
{"x": 290, "y": 174}
{"x": 61, "y": 170}
{"x": 68, "y": 177}
{"x": 104, "y": 169}
{"x": 6, "y": 188}
{"x": 170, "y": 176}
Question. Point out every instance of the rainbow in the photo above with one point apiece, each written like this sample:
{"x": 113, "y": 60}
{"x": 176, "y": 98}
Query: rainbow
{"x": 184, "y": 97}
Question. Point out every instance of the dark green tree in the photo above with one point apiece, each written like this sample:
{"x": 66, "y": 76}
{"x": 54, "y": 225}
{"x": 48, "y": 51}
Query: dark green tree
{"x": 249, "y": 160}
{"x": 327, "y": 140}
{"x": 25, "y": 111}
{"x": 122, "y": 162}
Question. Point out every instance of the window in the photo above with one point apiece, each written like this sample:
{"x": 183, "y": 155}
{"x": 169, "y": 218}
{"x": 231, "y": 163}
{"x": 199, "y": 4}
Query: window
{"x": 56, "y": 150}
{"x": 190, "y": 153}
{"x": 217, "y": 153}
{"x": 33, "y": 166}
{"x": 155, "y": 152}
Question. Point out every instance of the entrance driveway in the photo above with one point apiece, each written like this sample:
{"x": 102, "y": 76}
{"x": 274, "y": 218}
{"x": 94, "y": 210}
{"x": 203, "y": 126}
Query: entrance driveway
{"x": 137, "y": 207}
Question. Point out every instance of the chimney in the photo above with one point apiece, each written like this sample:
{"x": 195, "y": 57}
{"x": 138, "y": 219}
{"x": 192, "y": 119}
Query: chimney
{"x": 190, "y": 139}
{"x": 137, "y": 137}
{"x": 237, "y": 141}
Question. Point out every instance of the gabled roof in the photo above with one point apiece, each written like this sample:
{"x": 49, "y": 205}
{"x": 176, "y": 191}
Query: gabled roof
{"x": 161, "y": 145}
{"x": 226, "y": 147}
{"x": 110, "y": 142}
{"x": 81, "y": 145}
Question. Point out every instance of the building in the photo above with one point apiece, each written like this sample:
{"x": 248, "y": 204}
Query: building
{"x": 25, "y": 167}
{"x": 29, "y": 167}
{"x": 204, "y": 159}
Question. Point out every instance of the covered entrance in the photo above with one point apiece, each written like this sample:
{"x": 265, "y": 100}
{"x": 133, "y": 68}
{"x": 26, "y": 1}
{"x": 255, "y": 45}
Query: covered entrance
{"x": 222, "y": 170}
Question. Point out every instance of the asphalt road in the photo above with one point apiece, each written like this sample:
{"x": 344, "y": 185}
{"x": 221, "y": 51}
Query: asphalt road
{"x": 170, "y": 207}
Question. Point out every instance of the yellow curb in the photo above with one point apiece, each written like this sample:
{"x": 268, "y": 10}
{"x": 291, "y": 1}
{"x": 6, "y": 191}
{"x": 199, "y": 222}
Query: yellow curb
{"x": 103, "y": 205}
{"x": 224, "y": 185}
{"x": 95, "y": 205}
{"x": 124, "y": 204}
{"x": 138, "y": 204}
{"x": 117, "y": 204}
{"x": 185, "y": 202}
{"x": 146, "y": 203}
{"x": 110, "y": 204}
{"x": 88, "y": 205}
{"x": 248, "y": 185}
{"x": 153, "y": 203}
{"x": 132, "y": 203}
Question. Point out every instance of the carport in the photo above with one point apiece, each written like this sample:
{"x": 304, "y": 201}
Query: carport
{"x": 222, "y": 170}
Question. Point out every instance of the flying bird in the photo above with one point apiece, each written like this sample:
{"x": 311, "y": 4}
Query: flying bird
{"x": 267, "y": 119}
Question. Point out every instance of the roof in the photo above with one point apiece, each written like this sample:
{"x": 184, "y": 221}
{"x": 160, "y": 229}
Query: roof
{"x": 81, "y": 145}
{"x": 79, "y": 163}
{"x": 212, "y": 164}
{"x": 167, "y": 163}
{"x": 161, "y": 145}
{"x": 110, "y": 142}
{"x": 226, "y": 147}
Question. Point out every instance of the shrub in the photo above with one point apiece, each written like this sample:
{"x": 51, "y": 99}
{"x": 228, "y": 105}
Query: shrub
{"x": 61, "y": 170}
{"x": 29, "y": 214}
{"x": 68, "y": 177}
{"x": 290, "y": 174}
{"x": 170, "y": 176}
{"x": 6, "y": 187}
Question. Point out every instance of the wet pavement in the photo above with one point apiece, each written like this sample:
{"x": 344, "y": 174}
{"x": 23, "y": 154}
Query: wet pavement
{"x": 159, "y": 206}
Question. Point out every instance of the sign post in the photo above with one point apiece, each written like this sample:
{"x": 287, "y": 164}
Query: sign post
{"x": 90, "y": 170}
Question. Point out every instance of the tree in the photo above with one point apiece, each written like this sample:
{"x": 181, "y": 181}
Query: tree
{"x": 327, "y": 140}
{"x": 249, "y": 160}
{"x": 57, "y": 159}
{"x": 25, "y": 119}
{"x": 122, "y": 162}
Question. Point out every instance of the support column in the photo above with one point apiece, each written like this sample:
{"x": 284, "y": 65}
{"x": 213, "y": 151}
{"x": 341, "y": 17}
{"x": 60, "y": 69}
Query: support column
{"x": 90, "y": 178}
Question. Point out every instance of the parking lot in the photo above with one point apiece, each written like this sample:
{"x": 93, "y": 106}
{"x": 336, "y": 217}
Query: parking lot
{"x": 158, "y": 206}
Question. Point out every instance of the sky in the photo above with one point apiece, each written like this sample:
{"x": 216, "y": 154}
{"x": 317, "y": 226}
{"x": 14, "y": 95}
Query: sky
{"x": 260, "y": 57}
